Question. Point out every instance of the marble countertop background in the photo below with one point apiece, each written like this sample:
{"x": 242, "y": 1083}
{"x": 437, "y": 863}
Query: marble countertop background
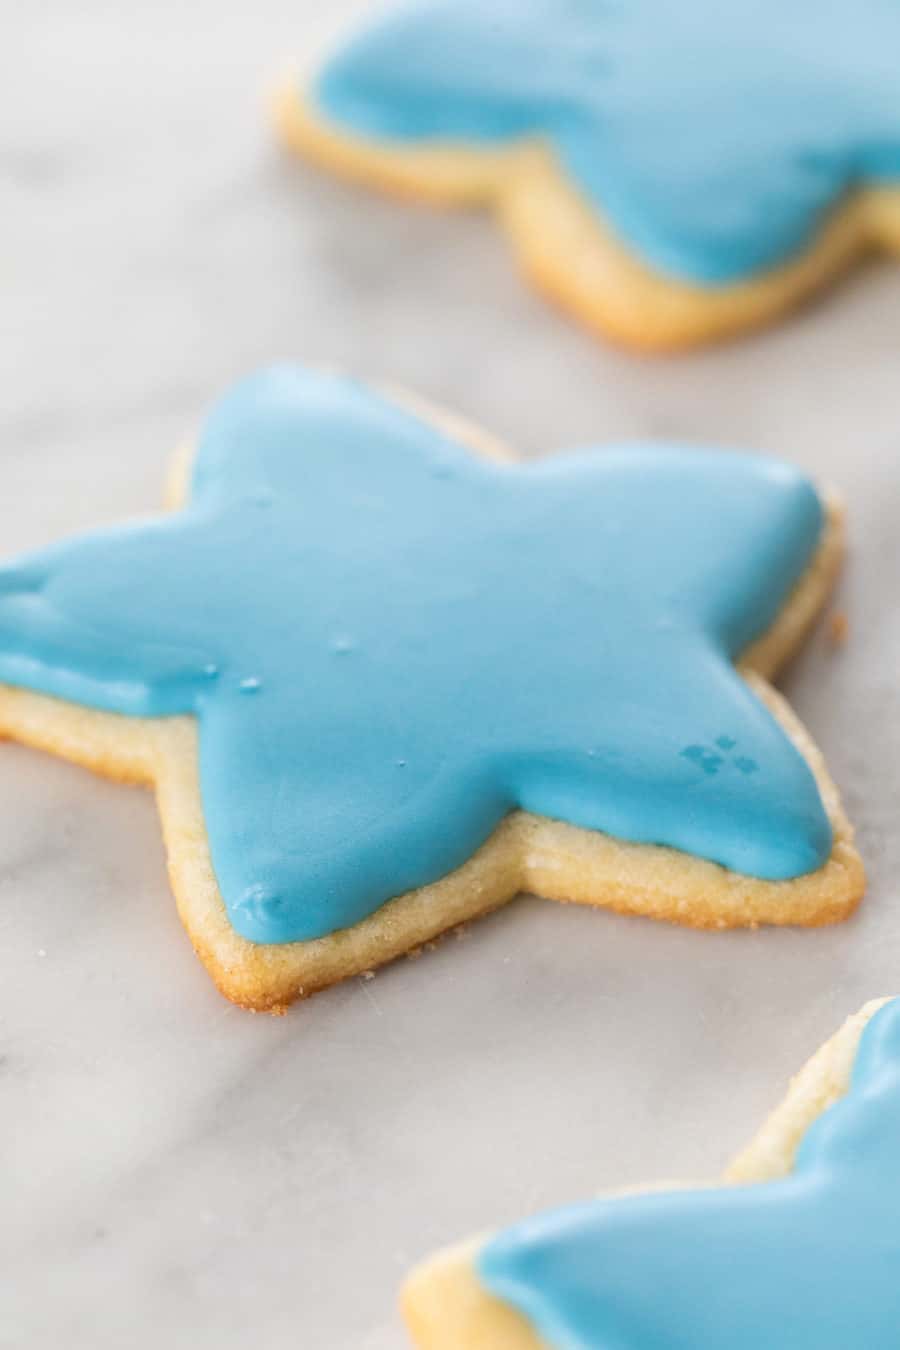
{"x": 174, "y": 1171}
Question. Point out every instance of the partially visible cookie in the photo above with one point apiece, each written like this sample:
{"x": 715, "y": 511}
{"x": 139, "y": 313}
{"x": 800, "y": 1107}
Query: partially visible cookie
{"x": 671, "y": 173}
{"x": 799, "y": 1246}
{"x": 382, "y": 678}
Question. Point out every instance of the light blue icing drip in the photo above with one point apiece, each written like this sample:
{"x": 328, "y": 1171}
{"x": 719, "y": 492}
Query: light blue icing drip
{"x": 809, "y": 1261}
{"x": 712, "y": 135}
{"x": 390, "y": 643}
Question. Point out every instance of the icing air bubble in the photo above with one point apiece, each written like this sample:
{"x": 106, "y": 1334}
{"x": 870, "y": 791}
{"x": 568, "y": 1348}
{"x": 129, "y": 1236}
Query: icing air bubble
{"x": 211, "y": 670}
{"x": 342, "y": 645}
{"x": 401, "y": 763}
{"x": 251, "y": 685}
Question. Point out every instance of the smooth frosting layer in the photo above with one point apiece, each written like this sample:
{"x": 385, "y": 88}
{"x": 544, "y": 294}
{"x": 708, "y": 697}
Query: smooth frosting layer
{"x": 390, "y": 643}
{"x": 809, "y": 1261}
{"x": 712, "y": 136}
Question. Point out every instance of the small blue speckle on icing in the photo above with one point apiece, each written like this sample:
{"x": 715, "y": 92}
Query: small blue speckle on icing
{"x": 712, "y": 136}
{"x": 398, "y": 657}
{"x": 808, "y": 1261}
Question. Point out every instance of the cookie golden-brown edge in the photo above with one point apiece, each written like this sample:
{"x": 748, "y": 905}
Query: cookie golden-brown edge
{"x": 571, "y": 253}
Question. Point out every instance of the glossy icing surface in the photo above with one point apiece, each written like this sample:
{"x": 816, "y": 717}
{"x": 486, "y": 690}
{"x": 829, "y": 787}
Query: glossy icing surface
{"x": 712, "y": 136}
{"x": 810, "y": 1260}
{"x": 390, "y": 643}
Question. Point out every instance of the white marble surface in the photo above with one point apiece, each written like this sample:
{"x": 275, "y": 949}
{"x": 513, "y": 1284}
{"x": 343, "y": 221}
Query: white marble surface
{"x": 176, "y": 1172}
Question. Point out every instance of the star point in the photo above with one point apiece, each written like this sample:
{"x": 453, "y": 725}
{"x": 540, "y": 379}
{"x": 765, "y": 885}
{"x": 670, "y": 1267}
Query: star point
{"x": 803, "y": 1258}
{"x": 615, "y": 87}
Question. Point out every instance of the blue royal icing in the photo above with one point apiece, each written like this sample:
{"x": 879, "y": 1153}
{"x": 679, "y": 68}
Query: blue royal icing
{"x": 390, "y": 643}
{"x": 713, "y": 137}
{"x": 811, "y": 1260}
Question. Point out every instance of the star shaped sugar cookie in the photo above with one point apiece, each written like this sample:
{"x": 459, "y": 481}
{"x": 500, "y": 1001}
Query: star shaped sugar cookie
{"x": 671, "y": 173}
{"x": 799, "y": 1247}
{"x": 382, "y": 678}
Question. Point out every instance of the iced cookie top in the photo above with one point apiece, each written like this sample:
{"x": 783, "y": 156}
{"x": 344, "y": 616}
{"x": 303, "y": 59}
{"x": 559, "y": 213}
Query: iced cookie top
{"x": 808, "y": 1261}
{"x": 391, "y": 642}
{"x": 713, "y": 136}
